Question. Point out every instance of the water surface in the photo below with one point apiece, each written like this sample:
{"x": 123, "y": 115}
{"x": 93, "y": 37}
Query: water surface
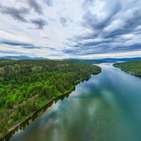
{"x": 107, "y": 107}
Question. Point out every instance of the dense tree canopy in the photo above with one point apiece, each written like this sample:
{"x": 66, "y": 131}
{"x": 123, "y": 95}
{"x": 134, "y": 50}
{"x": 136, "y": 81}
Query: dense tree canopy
{"x": 132, "y": 67}
{"x": 26, "y": 86}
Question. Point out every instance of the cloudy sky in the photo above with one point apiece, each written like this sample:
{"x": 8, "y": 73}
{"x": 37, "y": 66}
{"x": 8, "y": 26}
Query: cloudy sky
{"x": 70, "y": 28}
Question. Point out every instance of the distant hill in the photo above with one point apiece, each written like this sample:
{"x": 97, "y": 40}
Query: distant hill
{"x": 113, "y": 60}
{"x": 105, "y": 60}
{"x": 91, "y": 61}
{"x": 22, "y": 57}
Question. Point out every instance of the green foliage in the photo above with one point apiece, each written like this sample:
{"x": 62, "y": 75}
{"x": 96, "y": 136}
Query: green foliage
{"x": 132, "y": 67}
{"x": 26, "y": 86}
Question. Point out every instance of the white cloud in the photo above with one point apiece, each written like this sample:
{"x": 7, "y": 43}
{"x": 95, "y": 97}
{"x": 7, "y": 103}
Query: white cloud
{"x": 71, "y": 28}
{"x": 113, "y": 55}
{"x": 115, "y": 25}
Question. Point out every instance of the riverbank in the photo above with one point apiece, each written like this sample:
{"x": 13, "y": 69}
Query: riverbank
{"x": 106, "y": 103}
{"x": 26, "y": 86}
{"x": 32, "y": 117}
{"x": 131, "y": 67}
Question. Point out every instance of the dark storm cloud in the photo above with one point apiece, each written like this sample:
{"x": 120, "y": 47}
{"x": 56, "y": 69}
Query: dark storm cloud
{"x": 19, "y": 44}
{"x": 92, "y": 21}
{"x": 24, "y": 45}
{"x": 35, "y": 5}
{"x": 101, "y": 49}
{"x": 63, "y": 21}
{"x": 39, "y": 23}
{"x": 18, "y": 14}
{"x": 49, "y": 2}
{"x": 129, "y": 26}
{"x": 87, "y": 26}
{"x": 8, "y": 52}
{"x": 105, "y": 35}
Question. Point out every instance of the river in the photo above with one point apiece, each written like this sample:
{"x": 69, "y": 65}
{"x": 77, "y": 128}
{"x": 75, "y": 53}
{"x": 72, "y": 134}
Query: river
{"x": 107, "y": 107}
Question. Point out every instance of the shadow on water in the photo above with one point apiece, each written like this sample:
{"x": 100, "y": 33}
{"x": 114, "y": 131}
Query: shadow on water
{"x": 107, "y": 107}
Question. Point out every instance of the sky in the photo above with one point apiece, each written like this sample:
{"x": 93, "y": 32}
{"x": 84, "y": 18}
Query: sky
{"x": 58, "y": 29}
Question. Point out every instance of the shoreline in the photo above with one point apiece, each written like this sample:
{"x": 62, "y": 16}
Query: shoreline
{"x": 35, "y": 115}
{"x": 27, "y": 86}
{"x": 132, "y": 67}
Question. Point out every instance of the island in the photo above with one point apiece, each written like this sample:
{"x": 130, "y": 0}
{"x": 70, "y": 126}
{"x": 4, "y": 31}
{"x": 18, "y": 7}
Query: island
{"x": 27, "y": 85}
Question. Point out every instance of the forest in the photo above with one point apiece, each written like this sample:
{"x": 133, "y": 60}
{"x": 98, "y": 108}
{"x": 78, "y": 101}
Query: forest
{"x": 27, "y": 85}
{"x": 132, "y": 67}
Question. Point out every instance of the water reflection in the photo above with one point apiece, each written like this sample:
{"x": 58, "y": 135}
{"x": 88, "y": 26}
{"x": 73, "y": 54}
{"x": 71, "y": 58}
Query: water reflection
{"x": 105, "y": 108}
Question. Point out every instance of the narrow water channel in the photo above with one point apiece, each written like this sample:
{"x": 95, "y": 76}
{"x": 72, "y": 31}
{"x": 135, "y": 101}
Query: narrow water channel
{"x": 107, "y": 107}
